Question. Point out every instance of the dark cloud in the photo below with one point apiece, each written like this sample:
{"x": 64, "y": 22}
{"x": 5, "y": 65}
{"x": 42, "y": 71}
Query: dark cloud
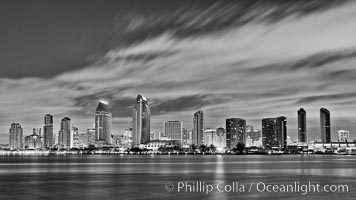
{"x": 122, "y": 107}
{"x": 339, "y": 75}
{"x": 145, "y": 57}
{"x": 322, "y": 59}
{"x": 195, "y": 18}
{"x": 184, "y": 103}
{"x": 60, "y": 36}
{"x": 311, "y": 62}
{"x": 326, "y": 98}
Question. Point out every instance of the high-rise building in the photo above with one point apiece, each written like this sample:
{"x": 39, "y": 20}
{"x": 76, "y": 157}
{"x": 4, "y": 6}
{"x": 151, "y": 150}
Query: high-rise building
{"x": 125, "y": 139}
{"x": 141, "y": 123}
{"x": 274, "y": 132}
{"x": 173, "y": 130}
{"x": 215, "y": 137}
{"x": 34, "y": 141}
{"x": 325, "y": 125}
{"x": 302, "y": 125}
{"x": 252, "y": 133}
{"x": 282, "y": 131}
{"x": 49, "y": 140}
{"x": 65, "y": 139}
{"x": 91, "y": 136}
{"x": 235, "y": 132}
{"x": 221, "y": 137}
{"x": 80, "y": 140}
{"x": 198, "y": 128}
{"x": 208, "y": 136}
{"x": 56, "y": 139}
{"x": 39, "y": 139}
{"x": 37, "y": 131}
{"x": 343, "y": 135}
{"x": 75, "y": 137}
{"x": 16, "y": 137}
{"x": 103, "y": 123}
{"x": 185, "y": 137}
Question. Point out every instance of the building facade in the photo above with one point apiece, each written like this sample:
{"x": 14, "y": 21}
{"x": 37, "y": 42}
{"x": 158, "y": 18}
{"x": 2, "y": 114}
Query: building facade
{"x": 91, "y": 136}
{"x": 141, "y": 122}
{"x": 65, "y": 139}
{"x": 235, "y": 132}
{"x": 48, "y": 131}
{"x": 103, "y": 123}
{"x": 221, "y": 137}
{"x": 274, "y": 132}
{"x": 198, "y": 128}
{"x": 34, "y": 141}
{"x": 215, "y": 137}
{"x": 252, "y": 133}
{"x": 16, "y": 137}
{"x": 343, "y": 135}
{"x": 302, "y": 125}
{"x": 173, "y": 130}
{"x": 185, "y": 137}
{"x": 325, "y": 129}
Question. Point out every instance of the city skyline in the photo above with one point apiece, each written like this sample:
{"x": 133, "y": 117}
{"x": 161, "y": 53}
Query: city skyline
{"x": 236, "y": 132}
{"x": 268, "y": 60}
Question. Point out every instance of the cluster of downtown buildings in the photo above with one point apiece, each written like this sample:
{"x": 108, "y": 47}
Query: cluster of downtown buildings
{"x": 273, "y": 134}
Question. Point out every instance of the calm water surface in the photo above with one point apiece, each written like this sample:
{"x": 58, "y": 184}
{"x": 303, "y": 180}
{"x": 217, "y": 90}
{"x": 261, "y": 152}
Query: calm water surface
{"x": 145, "y": 177}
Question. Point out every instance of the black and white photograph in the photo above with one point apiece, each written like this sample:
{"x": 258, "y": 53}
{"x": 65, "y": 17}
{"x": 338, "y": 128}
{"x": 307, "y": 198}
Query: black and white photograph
{"x": 177, "y": 99}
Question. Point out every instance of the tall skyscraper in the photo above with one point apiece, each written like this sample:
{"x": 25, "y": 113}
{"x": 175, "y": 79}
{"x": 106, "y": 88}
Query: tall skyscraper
{"x": 198, "y": 128}
{"x": 103, "y": 123}
{"x": 235, "y": 132}
{"x": 48, "y": 131}
{"x": 325, "y": 125}
{"x": 274, "y": 132}
{"x": 16, "y": 136}
{"x": 141, "y": 123}
{"x": 173, "y": 130}
{"x": 302, "y": 125}
{"x": 65, "y": 139}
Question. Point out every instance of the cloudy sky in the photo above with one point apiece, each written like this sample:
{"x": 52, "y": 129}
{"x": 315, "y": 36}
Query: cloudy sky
{"x": 246, "y": 59}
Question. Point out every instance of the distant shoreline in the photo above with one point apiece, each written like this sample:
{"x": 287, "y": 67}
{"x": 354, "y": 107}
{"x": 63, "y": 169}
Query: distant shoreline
{"x": 46, "y": 153}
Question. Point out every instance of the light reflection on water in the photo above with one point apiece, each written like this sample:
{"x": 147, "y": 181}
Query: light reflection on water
{"x": 144, "y": 177}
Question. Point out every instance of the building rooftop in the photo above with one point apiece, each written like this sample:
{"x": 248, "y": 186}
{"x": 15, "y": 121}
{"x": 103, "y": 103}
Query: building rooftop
{"x": 102, "y": 107}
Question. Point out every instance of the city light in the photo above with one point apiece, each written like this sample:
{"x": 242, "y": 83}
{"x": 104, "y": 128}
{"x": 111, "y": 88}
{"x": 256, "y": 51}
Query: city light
{"x": 104, "y": 101}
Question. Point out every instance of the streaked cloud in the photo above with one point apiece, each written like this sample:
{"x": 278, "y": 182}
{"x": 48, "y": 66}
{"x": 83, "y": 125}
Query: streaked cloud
{"x": 267, "y": 61}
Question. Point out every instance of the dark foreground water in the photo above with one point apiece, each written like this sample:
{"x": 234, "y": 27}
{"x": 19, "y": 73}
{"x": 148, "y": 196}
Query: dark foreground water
{"x": 178, "y": 177}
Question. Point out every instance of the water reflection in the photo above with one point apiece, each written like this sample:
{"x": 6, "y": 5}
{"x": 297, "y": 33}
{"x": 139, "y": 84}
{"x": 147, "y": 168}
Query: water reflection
{"x": 219, "y": 178}
{"x": 144, "y": 177}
